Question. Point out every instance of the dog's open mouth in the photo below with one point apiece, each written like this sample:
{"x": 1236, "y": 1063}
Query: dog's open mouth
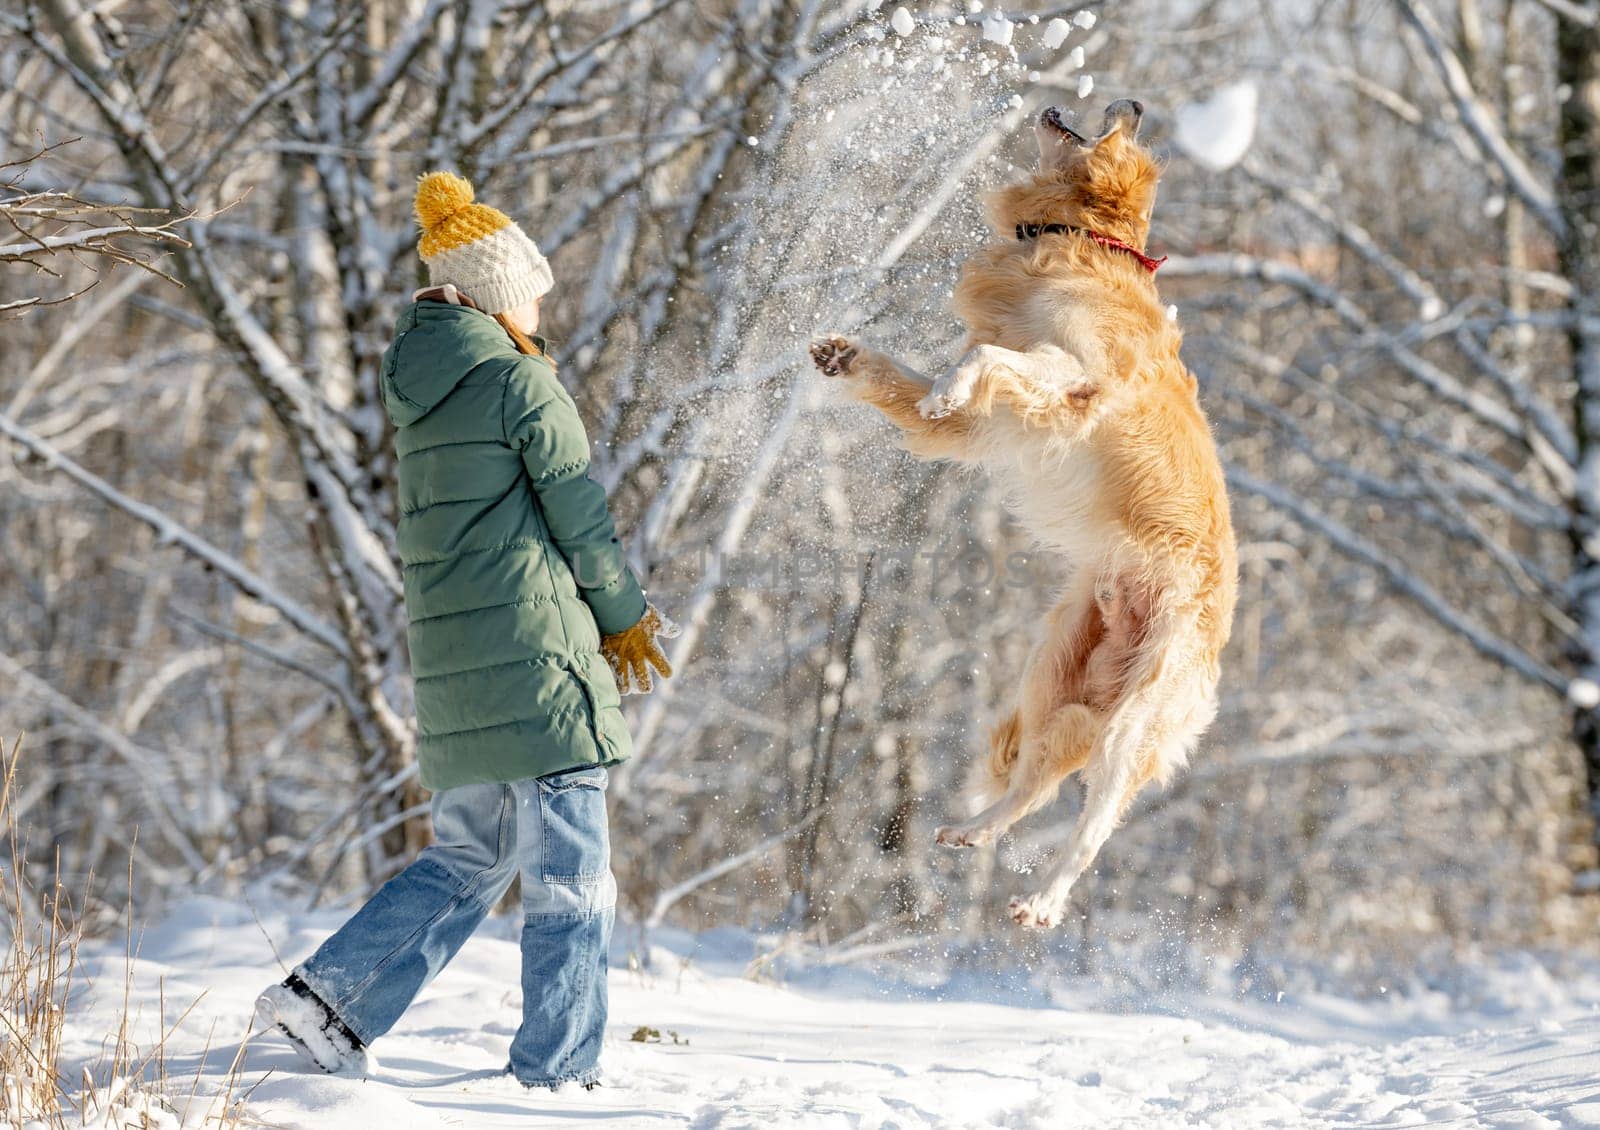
{"x": 1052, "y": 118}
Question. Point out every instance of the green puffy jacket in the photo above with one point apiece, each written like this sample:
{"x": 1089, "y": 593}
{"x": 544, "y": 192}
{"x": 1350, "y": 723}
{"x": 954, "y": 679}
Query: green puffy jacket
{"x": 512, "y": 565}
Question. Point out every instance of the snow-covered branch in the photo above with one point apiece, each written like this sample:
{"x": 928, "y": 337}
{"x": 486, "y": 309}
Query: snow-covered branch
{"x": 45, "y": 225}
{"x": 150, "y": 773}
{"x": 671, "y": 896}
{"x": 1402, "y": 578}
{"x": 1479, "y": 119}
{"x": 169, "y": 532}
{"x": 1437, "y": 380}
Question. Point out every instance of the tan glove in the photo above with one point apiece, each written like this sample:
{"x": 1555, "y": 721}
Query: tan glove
{"x": 633, "y": 652}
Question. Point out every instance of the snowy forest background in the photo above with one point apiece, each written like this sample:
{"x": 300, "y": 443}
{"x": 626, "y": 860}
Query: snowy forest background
{"x": 1392, "y": 302}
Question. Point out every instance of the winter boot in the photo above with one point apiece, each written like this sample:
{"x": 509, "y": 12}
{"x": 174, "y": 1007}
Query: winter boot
{"x": 321, "y": 1038}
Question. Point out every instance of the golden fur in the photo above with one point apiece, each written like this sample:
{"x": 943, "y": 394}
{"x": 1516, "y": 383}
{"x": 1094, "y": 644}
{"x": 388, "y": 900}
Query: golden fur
{"x": 1071, "y": 392}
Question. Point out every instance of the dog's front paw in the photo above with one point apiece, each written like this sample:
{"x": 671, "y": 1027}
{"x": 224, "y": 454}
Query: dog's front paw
{"x": 955, "y": 836}
{"x": 833, "y": 356}
{"x": 1034, "y": 911}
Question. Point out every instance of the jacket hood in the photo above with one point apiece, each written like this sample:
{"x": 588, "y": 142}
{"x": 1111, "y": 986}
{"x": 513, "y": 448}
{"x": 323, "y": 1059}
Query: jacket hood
{"x": 435, "y": 346}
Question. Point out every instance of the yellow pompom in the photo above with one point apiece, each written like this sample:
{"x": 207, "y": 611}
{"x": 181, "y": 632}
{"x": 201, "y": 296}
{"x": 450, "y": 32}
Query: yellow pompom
{"x": 449, "y": 217}
{"x": 440, "y": 196}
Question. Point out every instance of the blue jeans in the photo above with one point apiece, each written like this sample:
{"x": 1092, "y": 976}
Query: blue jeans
{"x": 554, "y": 830}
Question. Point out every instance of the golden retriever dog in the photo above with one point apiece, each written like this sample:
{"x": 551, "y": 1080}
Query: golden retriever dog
{"x": 1071, "y": 393}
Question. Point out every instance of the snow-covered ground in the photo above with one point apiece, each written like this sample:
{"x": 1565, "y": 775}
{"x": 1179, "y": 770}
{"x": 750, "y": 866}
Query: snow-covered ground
{"x": 847, "y": 1050}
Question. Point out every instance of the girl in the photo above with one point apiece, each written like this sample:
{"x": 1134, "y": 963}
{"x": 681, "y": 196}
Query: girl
{"x": 515, "y": 585}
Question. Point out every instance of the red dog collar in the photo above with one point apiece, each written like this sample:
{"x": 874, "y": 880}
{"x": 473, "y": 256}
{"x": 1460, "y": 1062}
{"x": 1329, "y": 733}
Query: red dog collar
{"x": 1034, "y": 231}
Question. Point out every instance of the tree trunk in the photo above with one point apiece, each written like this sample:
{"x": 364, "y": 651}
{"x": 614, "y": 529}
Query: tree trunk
{"x": 1578, "y": 196}
{"x": 910, "y": 785}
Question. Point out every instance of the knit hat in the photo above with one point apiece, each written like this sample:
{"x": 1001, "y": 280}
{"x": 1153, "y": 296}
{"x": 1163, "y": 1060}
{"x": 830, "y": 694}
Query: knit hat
{"x": 476, "y": 247}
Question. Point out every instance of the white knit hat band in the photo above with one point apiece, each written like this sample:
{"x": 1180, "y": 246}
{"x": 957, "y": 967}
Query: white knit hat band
{"x": 498, "y": 272}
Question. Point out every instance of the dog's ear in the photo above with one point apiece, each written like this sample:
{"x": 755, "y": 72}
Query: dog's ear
{"x": 1058, "y": 138}
{"x": 1123, "y": 117}
{"x": 1055, "y": 151}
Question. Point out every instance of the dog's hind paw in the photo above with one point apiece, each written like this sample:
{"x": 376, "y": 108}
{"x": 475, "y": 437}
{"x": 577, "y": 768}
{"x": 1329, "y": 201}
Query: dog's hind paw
{"x": 1033, "y": 912}
{"x": 834, "y": 355}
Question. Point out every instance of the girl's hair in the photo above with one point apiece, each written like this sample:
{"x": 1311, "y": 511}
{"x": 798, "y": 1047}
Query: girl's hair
{"x": 522, "y": 341}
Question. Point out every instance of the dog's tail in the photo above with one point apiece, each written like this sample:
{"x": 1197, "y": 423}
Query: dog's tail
{"x": 1168, "y": 699}
{"x": 1005, "y": 744}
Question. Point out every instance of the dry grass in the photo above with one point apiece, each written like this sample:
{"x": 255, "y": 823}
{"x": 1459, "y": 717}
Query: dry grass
{"x": 128, "y": 1087}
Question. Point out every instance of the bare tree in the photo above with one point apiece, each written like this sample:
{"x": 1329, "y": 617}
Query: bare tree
{"x": 1465, "y": 385}
{"x": 204, "y": 618}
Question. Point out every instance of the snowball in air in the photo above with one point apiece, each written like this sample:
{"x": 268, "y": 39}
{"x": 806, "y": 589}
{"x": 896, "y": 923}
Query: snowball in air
{"x": 997, "y": 29}
{"x": 1085, "y": 85}
{"x": 1055, "y": 33}
{"x": 1584, "y": 693}
{"x": 1075, "y": 60}
{"x": 1084, "y": 20}
{"x": 1217, "y": 132}
{"x": 902, "y": 22}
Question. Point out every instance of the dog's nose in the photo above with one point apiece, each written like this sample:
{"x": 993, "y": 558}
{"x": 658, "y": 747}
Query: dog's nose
{"x": 1138, "y": 107}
